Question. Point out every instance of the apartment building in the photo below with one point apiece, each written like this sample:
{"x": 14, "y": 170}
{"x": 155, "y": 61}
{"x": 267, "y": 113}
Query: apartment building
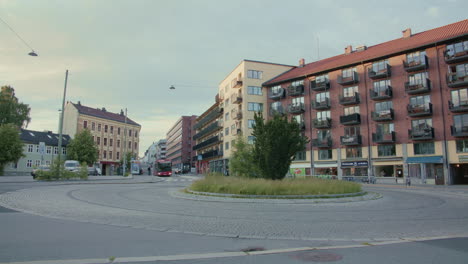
{"x": 395, "y": 110}
{"x": 179, "y": 143}
{"x": 208, "y": 138}
{"x": 114, "y": 133}
{"x": 242, "y": 95}
{"x": 161, "y": 149}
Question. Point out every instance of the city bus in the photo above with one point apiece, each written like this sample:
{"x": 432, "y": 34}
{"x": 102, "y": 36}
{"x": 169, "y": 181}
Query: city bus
{"x": 162, "y": 168}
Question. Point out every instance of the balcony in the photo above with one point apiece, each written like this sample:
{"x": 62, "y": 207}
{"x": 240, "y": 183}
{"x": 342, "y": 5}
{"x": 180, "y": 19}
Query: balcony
{"x": 351, "y": 140}
{"x": 352, "y": 119}
{"x": 353, "y": 79}
{"x": 456, "y": 57}
{"x": 419, "y": 110}
{"x": 322, "y": 105}
{"x": 417, "y": 64}
{"x": 237, "y": 116}
{"x": 384, "y": 115}
{"x": 296, "y": 90}
{"x": 421, "y": 134}
{"x": 349, "y": 100}
{"x": 459, "y": 131}
{"x": 383, "y": 137}
{"x": 455, "y": 80}
{"x": 212, "y": 153}
{"x": 318, "y": 86}
{"x": 212, "y": 127}
{"x": 418, "y": 87}
{"x": 322, "y": 123}
{"x": 461, "y": 106}
{"x": 296, "y": 108}
{"x": 382, "y": 94}
{"x": 213, "y": 114}
{"x": 237, "y": 99}
{"x": 237, "y": 83}
{"x": 276, "y": 95}
{"x": 302, "y": 125}
{"x": 207, "y": 142}
{"x": 383, "y": 73}
{"x": 322, "y": 142}
{"x": 277, "y": 111}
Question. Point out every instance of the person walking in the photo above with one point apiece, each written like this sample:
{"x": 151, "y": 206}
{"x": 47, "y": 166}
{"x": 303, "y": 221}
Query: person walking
{"x": 149, "y": 171}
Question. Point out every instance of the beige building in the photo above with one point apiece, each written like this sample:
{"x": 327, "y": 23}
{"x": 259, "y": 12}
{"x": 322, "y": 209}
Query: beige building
{"x": 242, "y": 95}
{"x": 108, "y": 130}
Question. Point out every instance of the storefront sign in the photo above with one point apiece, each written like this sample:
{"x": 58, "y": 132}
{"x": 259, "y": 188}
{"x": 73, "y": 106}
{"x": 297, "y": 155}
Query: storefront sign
{"x": 463, "y": 158}
{"x": 297, "y": 171}
{"x": 428, "y": 159}
{"x": 354, "y": 164}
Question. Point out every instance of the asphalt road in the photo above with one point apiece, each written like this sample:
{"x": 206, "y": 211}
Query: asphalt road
{"x": 97, "y": 221}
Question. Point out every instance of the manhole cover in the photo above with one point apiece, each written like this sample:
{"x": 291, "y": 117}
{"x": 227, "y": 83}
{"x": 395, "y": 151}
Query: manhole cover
{"x": 316, "y": 256}
{"x": 252, "y": 249}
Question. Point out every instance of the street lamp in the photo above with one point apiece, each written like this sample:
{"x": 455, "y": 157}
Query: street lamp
{"x": 32, "y": 53}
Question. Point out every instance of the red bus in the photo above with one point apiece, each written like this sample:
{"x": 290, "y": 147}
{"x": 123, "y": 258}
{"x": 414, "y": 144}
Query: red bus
{"x": 162, "y": 168}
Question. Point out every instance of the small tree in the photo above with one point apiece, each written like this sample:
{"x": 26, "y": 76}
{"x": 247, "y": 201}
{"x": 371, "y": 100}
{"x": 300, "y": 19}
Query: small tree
{"x": 11, "y": 146}
{"x": 128, "y": 158}
{"x": 11, "y": 110}
{"x": 82, "y": 148}
{"x": 276, "y": 143}
{"x": 242, "y": 162}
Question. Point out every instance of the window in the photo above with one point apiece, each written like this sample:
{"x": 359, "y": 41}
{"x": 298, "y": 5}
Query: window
{"x": 29, "y": 164}
{"x": 129, "y": 132}
{"x": 383, "y": 106}
{"x": 135, "y": 145}
{"x": 386, "y": 150}
{"x": 49, "y": 150}
{"x": 112, "y": 129}
{"x": 346, "y": 73}
{"x": 299, "y": 118}
{"x": 93, "y": 126}
{"x": 455, "y": 48}
{"x": 105, "y": 141}
{"x": 118, "y": 131}
{"x": 298, "y": 101}
{"x": 118, "y": 155}
{"x": 233, "y": 127}
{"x": 104, "y": 154}
{"x": 323, "y": 115}
{"x": 424, "y": 148}
{"x": 111, "y": 141}
{"x": 251, "y": 139}
{"x": 460, "y": 122}
{"x": 323, "y": 134}
{"x": 130, "y": 145}
{"x": 462, "y": 146}
{"x": 380, "y": 66}
{"x": 321, "y": 78}
{"x": 351, "y": 110}
{"x": 37, "y": 148}
{"x": 420, "y": 101}
{"x": 226, "y": 145}
{"x": 136, "y": 134}
{"x": 252, "y": 74}
{"x": 324, "y": 154}
{"x": 37, "y": 163}
{"x": 105, "y": 128}
{"x": 254, "y": 90}
{"x": 255, "y": 107}
{"x": 322, "y": 97}
{"x": 458, "y": 72}
{"x": 99, "y": 127}
{"x": 110, "y": 154}
{"x": 64, "y": 151}
{"x": 385, "y": 128}
{"x": 418, "y": 78}
{"x": 226, "y": 131}
{"x": 380, "y": 87}
{"x": 353, "y": 152}
{"x": 301, "y": 155}
{"x": 297, "y": 83}
{"x": 352, "y": 131}
{"x": 250, "y": 123}
{"x": 276, "y": 90}
{"x": 118, "y": 143}
{"x": 85, "y": 124}
{"x": 350, "y": 91}
{"x": 460, "y": 97}
{"x": 99, "y": 140}
{"x": 55, "y": 150}
{"x": 30, "y": 148}
{"x": 415, "y": 58}
{"x": 226, "y": 102}
{"x": 276, "y": 107}
{"x": 226, "y": 116}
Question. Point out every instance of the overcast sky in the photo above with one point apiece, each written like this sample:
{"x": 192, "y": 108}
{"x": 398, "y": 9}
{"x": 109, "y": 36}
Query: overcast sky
{"x": 126, "y": 54}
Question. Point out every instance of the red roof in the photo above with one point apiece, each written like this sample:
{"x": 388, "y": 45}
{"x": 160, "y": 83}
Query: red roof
{"x": 390, "y": 47}
{"x": 102, "y": 113}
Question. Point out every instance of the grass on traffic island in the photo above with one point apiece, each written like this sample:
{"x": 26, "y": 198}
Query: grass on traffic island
{"x": 213, "y": 183}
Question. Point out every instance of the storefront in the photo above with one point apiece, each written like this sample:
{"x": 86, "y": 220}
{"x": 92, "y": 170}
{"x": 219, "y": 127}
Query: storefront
{"x": 299, "y": 169}
{"x": 354, "y": 168}
{"x": 426, "y": 170}
{"x": 388, "y": 170}
{"x": 325, "y": 169}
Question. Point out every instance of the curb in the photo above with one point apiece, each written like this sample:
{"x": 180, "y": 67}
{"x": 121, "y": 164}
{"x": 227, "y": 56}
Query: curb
{"x": 343, "y": 195}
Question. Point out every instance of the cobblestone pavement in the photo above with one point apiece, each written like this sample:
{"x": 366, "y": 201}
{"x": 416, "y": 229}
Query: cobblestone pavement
{"x": 401, "y": 212}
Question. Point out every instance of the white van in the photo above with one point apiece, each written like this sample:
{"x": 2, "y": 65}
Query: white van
{"x": 72, "y": 165}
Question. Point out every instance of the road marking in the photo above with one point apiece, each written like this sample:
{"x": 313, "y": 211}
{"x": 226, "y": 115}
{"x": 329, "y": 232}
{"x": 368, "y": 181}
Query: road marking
{"x": 232, "y": 254}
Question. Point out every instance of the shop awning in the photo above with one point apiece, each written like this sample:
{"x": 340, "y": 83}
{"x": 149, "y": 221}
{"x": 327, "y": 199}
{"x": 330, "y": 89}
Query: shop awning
{"x": 431, "y": 159}
{"x": 325, "y": 165}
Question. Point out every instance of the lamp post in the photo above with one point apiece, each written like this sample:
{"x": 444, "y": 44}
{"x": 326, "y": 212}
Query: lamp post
{"x": 61, "y": 119}
{"x": 32, "y": 53}
{"x": 125, "y": 144}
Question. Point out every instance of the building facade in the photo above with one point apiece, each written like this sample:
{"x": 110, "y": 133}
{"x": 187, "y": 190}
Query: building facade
{"x": 40, "y": 148}
{"x": 179, "y": 143}
{"x": 161, "y": 149}
{"x": 114, "y": 133}
{"x": 395, "y": 110}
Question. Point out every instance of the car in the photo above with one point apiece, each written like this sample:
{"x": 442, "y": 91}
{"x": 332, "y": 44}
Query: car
{"x": 94, "y": 171}
{"x": 40, "y": 168}
{"x": 72, "y": 165}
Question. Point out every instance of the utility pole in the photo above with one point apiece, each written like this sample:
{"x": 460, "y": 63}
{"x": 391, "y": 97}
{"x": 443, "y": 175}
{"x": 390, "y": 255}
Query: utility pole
{"x": 61, "y": 120}
{"x": 125, "y": 144}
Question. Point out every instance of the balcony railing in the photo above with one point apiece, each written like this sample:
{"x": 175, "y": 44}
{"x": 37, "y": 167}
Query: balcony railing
{"x": 419, "y": 110}
{"x": 352, "y": 119}
{"x": 382, "y": 94}
{"x": 322, "y": 142}
{"x": 351, "y": 140}
{"x": 384, "y": 115}
{"x": 353, "y": 79}
{"x": 212, "y": 153}
{"x": 302, "y": 125}
{"x": 461, "y": 106}
{"x": 455, "y": 80}
{"x": 295, "y": 90}
{"x": 461, "y": 131}
{"x": 383, "y": 137}
{"x": 417, "y": 64}
{"x": 275, "y": 95}
{"x": 418, "y": 87}
{"x": 456, "y": 57}
{"x": 322, "y": 105}
{"x": 296, "y": 108}
{"x": 348, "y": 100}
{"x": 237, "y": 99}
{"x": 237, "y": 83}
{"x": 421, "y": 134}
{"x": 322, "y": 123}
{"x": 207, "y": 142}
{"x": 209, "y": 117}
{"x": 214, "y": 126}
{"x": 277, "y": 111}
{"x": 384, "y": 73}
{"x": 320, "y": 85}
{"x": 237, "y": 116}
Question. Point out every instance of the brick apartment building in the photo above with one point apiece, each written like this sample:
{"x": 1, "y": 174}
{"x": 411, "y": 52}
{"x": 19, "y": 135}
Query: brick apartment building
{"x": 179, "y": 143}
{"x": 108, "y": 130}
{"x": 397, "y": 109}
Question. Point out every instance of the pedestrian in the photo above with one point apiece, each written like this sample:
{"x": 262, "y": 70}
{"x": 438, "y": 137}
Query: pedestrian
{"x": 149, "y": 170}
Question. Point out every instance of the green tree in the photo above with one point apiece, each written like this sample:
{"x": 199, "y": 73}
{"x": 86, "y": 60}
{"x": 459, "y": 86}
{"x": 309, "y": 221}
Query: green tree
{"x": 276, "y": 143}
{"x": 82, "y": 148}
{"x": 242, "y": 162}
{"x": 11, "y": 110}
{"x": 128, "y": 158}
{"x": 11, "y": 146}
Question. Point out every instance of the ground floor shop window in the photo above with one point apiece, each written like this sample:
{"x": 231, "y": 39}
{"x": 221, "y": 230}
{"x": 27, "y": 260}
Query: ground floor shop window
{"x": 355, "y": 172}
{"x": 386, "y": 170}
{"x": 326, "y": 171}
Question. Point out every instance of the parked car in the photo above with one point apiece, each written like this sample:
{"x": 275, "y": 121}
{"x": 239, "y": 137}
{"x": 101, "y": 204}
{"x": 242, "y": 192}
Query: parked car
{"x": 40, "y": 168}
{"x": 93, "y": 171}
{"x": 72, "y": 165}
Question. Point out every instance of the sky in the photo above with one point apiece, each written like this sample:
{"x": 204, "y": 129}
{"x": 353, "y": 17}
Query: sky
{"x": 127, "y": 53}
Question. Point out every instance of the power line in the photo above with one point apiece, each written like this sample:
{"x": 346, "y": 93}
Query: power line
{"x": 25, "y": 43}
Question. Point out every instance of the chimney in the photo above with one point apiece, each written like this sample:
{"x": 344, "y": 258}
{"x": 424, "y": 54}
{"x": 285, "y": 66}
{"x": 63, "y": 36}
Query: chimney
{"x": 348, "y": 49}
{"x": 79, "y": 103}
{"x": 406, "y": 33}
{"x": 301, "y": 62}
{"x": 121, "y": 112}
{"x": 104, "y": 109}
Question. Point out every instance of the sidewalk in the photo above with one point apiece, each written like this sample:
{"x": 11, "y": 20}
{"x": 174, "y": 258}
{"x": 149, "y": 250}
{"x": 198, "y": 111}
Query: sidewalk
{"x": 110, "y": 179}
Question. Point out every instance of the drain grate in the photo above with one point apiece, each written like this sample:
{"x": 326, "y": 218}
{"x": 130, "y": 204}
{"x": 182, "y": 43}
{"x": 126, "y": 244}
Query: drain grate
{"x": 317, "y": 256}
